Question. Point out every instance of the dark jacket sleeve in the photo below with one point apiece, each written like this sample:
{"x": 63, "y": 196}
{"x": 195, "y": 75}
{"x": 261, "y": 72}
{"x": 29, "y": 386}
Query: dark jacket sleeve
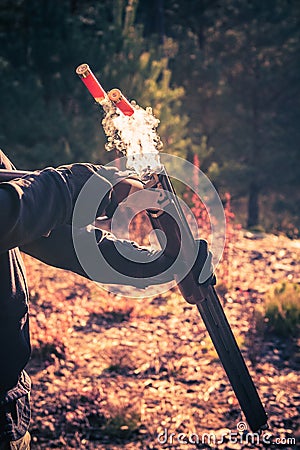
{"x": 32, "y": 206}
{"x": 107, "y": 259}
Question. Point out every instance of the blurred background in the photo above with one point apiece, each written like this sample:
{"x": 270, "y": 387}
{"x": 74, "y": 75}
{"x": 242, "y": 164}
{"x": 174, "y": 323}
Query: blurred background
{"x": 221, "y": 75}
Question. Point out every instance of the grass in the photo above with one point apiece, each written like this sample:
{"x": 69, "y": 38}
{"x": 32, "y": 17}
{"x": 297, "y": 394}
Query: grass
{"x": 48, "y": 351}
{"x": 281, "y": 311}
{"x": 119, "y": 360}
{"x": 123, "y": 419}
{"x": 157, "y": 369}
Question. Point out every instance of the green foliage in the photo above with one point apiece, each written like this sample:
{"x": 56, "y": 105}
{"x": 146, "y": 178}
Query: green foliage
{"x": 281, "y": 310}
{"x": 119, "y": 360}
{"x": 141, "y": 69}
{"x": 47, "y": 115}
{"x": 242, "y": 65}
{"x": 43, "y": 105}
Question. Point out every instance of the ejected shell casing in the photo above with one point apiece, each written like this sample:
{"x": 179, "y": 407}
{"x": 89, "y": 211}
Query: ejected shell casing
{"x": 91, "y": 82}
{"x": 121, "y": 102}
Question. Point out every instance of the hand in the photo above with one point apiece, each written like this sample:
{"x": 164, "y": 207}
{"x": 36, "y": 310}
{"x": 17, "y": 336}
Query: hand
{"x": 203, "y": 267}
{"x": 126, "y": 187}
{"x": 123, "y": 189}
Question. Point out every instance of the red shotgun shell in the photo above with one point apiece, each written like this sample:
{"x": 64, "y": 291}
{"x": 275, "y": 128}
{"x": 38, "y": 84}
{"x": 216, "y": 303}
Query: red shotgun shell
{"x": 91, "y": 82}
{"x": 116, "y": 96}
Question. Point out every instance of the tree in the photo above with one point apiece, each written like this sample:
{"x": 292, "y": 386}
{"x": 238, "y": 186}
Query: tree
{"x": 141, "y": 69}
{"x": 260, "y": 68}
{"x": 238, "y": 64}
{"x": 44, "y": 108}
{"x": 41, "y": 44}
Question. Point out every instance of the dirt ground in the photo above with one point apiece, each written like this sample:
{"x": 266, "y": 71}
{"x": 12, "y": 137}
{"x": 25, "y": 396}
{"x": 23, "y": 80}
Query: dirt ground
{"x": 116, "y": 373}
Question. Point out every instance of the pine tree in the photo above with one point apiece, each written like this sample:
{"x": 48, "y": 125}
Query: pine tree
{"x": 141, "y": 69}
{"x": 238, "y": 63}
{"x": 48, "y": 118}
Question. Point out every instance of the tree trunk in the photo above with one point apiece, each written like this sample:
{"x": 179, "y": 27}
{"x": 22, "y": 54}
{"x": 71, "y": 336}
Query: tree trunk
{"x": 73, "y": 6}
{"x": 253, "y": 205}
{"x": 160, "y": 18}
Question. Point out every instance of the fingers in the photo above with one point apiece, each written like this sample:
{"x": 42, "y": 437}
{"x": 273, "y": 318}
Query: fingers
{"x": 204, "y": 266}
{"x": 126, "y": 187}
{"x": 112, "y": 206}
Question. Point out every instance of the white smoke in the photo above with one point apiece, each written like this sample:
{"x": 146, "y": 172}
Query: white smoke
{"x": 135, "y": 136}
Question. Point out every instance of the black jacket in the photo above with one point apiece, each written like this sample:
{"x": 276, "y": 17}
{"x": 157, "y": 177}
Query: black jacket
{"x": 34, "y": 216}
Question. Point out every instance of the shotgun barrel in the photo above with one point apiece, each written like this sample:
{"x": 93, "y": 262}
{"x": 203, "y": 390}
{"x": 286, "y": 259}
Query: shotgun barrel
{"x": 172, "y": 222}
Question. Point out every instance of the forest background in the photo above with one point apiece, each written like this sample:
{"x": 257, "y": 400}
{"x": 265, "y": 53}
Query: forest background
{"x": 221, "y": 75}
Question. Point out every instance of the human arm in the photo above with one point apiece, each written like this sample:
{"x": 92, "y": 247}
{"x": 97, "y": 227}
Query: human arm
{"x": 113, "y": 261}
{"x": 120, "y": 261}
{"x": 32, "y": 206}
